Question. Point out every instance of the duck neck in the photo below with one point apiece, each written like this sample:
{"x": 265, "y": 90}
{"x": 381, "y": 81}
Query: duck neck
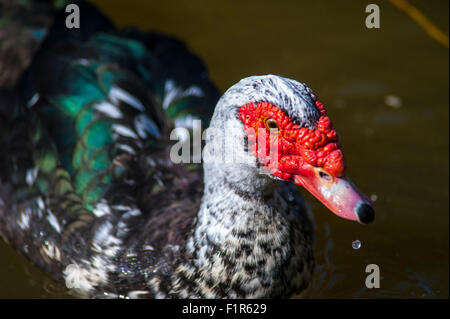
{"x": 239, "y": 228}
{"x": 235, "y": 200}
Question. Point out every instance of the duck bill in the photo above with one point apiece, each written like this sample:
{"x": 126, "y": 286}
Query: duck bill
{"x": 338, "y": 194}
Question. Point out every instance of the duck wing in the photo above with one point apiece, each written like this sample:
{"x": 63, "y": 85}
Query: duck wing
{"x": 86, "y": 169}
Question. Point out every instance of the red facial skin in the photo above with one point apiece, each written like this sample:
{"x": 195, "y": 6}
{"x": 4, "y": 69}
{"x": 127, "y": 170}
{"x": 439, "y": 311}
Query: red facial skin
{"x": 311, "y": 158}
{"x": 296, "y": 145}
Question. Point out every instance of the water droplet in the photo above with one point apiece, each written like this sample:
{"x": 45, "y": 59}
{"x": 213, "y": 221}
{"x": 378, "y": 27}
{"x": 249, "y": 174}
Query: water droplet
{"x": 356, "y": 244}
{"x": 373, "y": 197}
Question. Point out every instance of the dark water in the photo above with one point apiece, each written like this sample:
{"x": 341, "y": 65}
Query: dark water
{"x": 396, "y": 152}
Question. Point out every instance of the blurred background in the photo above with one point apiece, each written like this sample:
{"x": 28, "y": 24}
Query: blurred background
{"x": 386, "y": 91}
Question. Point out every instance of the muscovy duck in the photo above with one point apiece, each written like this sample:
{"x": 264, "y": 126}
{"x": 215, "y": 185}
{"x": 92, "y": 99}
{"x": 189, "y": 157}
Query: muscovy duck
{"x": 88, "y": 191}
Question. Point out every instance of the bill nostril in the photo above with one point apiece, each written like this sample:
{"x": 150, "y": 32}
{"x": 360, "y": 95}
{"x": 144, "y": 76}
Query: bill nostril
{"x": 365, "y": 213}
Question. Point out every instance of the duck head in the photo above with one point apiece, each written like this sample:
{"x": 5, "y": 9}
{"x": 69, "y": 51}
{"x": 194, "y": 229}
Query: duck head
{"x": 286, "y": 134}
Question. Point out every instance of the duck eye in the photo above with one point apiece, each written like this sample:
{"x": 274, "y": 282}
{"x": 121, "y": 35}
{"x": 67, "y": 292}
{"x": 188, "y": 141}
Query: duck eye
{"x": 271, "y": 124}
{"x": 325, "y": 176}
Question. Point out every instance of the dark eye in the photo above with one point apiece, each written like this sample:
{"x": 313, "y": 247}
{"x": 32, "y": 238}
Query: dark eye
{"x": 271, "y": 124}
{"x": 325, "y": 176}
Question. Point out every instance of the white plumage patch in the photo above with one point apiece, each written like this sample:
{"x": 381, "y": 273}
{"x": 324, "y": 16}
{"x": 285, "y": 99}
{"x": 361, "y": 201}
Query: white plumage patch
{"x": 101, "y": 209}
{"x": 147, "y": 248}
{"x": 121, "y": 207}
{"x": 145, "y": 125}
{"x": 116, "y": 94}
{"x": 136, "y": 294}
{"x": 126, "y": 148}
{"x": 86, "y": 275}
{"x": 173, "y": 92}
{"x": 124, "y": 131}
{"x": 33, "y": 100}
{"x": 51, "y": 250}
{"x": 53, "y": 221}
{"x": 40, "y": 203}
{"x": 31, "y": 175}
{"x": 122, "y": 228}
{"x": 131, "y": 213}
{"x": 103, "y": 233}
{"x": 109, "y": 109}
{"x": 24, "y": 221}
{"x": 77, "y": 278}
{"x": 106, "y": 240}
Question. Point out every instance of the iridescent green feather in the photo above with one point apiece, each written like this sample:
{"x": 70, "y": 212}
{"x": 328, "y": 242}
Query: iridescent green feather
{"x": 75, "y": 146}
